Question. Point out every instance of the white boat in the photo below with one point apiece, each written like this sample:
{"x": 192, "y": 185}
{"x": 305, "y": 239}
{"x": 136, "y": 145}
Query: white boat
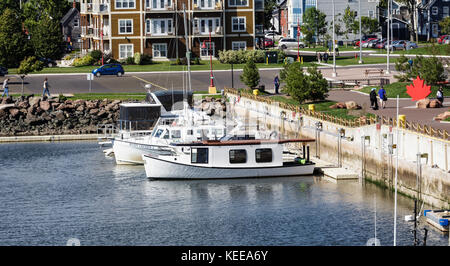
{"x": 227, "y": 159}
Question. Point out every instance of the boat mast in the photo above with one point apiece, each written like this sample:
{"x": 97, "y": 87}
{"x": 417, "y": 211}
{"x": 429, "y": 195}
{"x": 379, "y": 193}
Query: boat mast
{"x": 188, "y": 56}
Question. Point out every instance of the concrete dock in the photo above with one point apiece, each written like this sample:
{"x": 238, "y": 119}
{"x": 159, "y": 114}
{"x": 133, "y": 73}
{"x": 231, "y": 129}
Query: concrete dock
{"x": 333, "y": 171}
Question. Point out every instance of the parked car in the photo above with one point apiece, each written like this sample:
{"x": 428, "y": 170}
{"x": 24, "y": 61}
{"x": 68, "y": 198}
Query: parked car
{"x": 47, "y": 62}
{"x": 365, "y": 42}
{"x": 397, "y": 45}
{"x": 381, "y": 45}
{"x": 365, "y": 39}
{"x": 273, "y": 35}
{"x": 3, "y": 71}
{"x": 372, "y": 43}
{"x": 290, "y": 43}
{"x": 441, "y": 38}
{"x": 411, "y": 45}
{"x": 268, "y": 43}
{"x": 109, "y": 69}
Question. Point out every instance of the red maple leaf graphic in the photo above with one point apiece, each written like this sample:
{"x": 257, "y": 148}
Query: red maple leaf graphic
{"x": 418, "y": 90}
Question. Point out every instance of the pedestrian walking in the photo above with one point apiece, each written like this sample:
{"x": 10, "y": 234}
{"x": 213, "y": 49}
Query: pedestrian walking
{"x": 325, "y": 57}
{"x": 276, "y": 83}
{"x": 336, "y": 49}
{"x": 5, "y": 88}
{"x": 45, "y": 87}
{"x": 440, "y": 95}
{"x": 373, "y": 99}
{"x": 383, "y": 97}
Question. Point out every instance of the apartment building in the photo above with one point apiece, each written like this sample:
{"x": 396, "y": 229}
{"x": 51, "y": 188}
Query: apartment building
{"x": 156, "y": 27}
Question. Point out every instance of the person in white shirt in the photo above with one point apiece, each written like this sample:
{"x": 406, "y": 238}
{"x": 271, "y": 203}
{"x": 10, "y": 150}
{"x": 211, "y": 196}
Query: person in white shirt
{"x": 45, "y": 85}
{"x": 5, "y": 87}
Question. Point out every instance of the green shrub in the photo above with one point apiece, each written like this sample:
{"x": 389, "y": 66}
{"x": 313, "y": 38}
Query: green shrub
{"x": 129, "y": 61}
{"x": 68, "y": 57}
{"x": 86, "y": 60}
{"x": 178, "y": 61}
{"x": 137, "y": 58}
{"x": 250, "y": 74}
{"x": 197, "y": 61}
{"x": 429, "y": 69}
{"x": 146, "y": 59}
{"x": 96, "y": 54}
{"x": 241, "y": 56}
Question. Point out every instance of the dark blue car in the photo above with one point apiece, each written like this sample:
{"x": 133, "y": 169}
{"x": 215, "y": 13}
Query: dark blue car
{"x": 109, "y": 69}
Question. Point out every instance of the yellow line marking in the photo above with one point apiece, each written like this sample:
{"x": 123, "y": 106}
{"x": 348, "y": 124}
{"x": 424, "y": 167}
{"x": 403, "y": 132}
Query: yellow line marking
{"x": 146, "y": 81}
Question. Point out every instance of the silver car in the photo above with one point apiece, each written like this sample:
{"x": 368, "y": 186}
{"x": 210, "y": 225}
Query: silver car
{"x": 289, "y": 43}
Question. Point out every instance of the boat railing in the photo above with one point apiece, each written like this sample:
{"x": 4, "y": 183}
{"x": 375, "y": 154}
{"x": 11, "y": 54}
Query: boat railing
{"x": 107, "y": 131}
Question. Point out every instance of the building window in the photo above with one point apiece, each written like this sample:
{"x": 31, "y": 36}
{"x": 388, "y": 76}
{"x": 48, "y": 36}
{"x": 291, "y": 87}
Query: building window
{"x": 238, "y": 3}
{"x": 434, "y": 10}
{"x": 125, "y": 51}
{"x": 125, "y": 4}
{"x": 238, "y": 24}
{"x": 236, "y": 46}
{"x": 125, "y": 26}
{"x": 160, "y": 50}
{"x": 370, "y": 13}
{"x": 206, "y": 4}
{"x": 158, "y": 4}
{"x": 159, "y": 26}
{"x": 207, "y": 25}
{"x": 76, "y": 23}
{"x": 199, "y": 155}
{"x": 263, "y": 155}
{"x": 445, "y": 11}
{"x": 206, "y": 51}
{"x": 238, "y": 156}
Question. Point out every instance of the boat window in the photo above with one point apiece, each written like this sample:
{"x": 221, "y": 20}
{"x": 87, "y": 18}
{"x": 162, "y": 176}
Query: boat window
{"x": 199, "y": 155}
{"x": 190, "y": 132}
{"x": 176, "y": 134}
{"x": 166, "y": 134}
{"x": 238, "y": 156}
{"x": 158, "y": 133}
{"x": 263, "y": 155}
{"x": 202, "y": 133}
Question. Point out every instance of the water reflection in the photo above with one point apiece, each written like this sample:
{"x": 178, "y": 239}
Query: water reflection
{"x": 51, "y": 192}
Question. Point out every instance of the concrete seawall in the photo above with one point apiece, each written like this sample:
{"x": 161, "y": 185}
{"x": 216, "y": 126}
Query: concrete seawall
{"x": 50, "y": 138}
{"x": 373, "y": 161}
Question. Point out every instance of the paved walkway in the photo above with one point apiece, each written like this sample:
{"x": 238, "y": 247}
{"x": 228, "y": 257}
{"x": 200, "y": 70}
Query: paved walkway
{"x": 407, "y": 107}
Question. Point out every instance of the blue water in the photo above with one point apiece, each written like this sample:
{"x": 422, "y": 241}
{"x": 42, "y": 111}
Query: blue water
{"x": 51, "y": 192}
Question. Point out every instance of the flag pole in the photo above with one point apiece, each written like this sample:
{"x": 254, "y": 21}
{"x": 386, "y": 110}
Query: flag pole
{"x": 396, "y": 175}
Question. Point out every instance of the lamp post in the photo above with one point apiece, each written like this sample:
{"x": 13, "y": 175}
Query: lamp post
{"x": 360, "y": 34}
{"x": 388, "y": 43}
{"x": 334, "y": 74}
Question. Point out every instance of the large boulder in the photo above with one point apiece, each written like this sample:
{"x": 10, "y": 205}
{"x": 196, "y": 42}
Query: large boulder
{"x": 34, "y": 101}
{"x": 93, "y": 111}
{"x": 435, "y": 104}
{"x": 59, "y": 115}
{"x": 351, "y": 105}
{"x": 14, "y": 112}
{"x": 442, "y": 116}
{"x": 422, "y": 104}
{"x": 23, "y": 105}
{"x": 45, "y": 105}
{"x": 3, "y": 113}
{"x": 7, "y": 100}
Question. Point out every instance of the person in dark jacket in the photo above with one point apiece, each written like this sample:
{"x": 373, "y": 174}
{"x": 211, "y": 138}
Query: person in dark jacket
{"x": 373, "y": 99}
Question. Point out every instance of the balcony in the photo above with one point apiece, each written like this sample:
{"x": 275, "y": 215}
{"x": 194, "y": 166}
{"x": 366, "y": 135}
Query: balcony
{"x": 218, "y": 31}
{"x": 159, "y": 8}
{"x": 100, "y": 8}
{"x": 160, "y": 35}
{"x": 208, "y": 8}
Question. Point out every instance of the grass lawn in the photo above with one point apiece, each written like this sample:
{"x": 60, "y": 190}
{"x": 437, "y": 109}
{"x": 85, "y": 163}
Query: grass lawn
{"x": 345, "y": 61}
{"x": 156, "y": 66}
{"x": 399, "y": 88}
{"x": 447, "y": 119}
{"x": 322, "y": 106}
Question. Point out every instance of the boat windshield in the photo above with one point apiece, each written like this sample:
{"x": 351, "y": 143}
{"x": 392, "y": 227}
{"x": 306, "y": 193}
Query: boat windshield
{"x": 158, "y": 133}
{"x": 166, "y": 134}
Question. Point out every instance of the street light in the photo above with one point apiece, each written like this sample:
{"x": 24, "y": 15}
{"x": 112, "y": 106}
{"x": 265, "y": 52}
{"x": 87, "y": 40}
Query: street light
{"x": 388, "y": 45}
{"x": 334, "y": 74}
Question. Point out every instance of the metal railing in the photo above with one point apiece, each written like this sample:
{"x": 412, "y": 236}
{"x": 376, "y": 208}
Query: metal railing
{"x": 356, "y": 122}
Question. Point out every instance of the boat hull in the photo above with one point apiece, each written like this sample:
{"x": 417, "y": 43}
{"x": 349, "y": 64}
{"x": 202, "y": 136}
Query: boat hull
{"x": 130, "y": 153}
{"x": 160, "y": 169}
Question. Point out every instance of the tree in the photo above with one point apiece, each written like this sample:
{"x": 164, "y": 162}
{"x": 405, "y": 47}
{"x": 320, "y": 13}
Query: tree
{"x": 14, "y": 5}
{"x": 28, "y": 65}
{"x": 46, "y": 38}
{"x": 338, "y": 30}
{"x": 350, "y": 22}
{"x": 368, "y": 25}
{"x": 13, "y": 43}
{"x": 403, "y": 66}
{"x": 411, "y": 5}
{"x": 250, "y": 74}
{"x": 314, "y": 23}
{"x": 445, "y": 25}
{"x": 303, "y": 87}
{"x": 429, "y": 69}
{"x": 269, "y": 7}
